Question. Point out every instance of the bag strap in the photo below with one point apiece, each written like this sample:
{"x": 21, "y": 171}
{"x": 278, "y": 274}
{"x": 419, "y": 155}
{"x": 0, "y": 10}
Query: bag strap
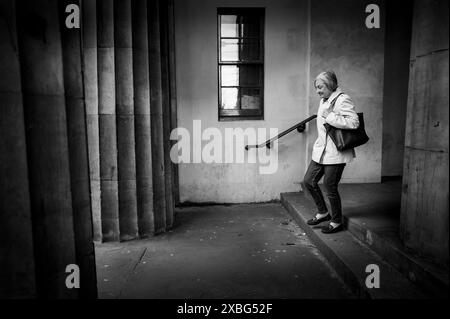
{"x": 332, "y": 105}
{"x": 334, "y": 101}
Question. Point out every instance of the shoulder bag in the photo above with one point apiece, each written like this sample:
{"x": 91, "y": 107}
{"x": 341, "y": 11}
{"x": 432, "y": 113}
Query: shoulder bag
{"x": 345, "y": 139}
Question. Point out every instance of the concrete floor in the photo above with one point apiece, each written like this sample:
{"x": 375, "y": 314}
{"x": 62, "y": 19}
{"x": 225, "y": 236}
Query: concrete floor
{"x": 237, "y": 251}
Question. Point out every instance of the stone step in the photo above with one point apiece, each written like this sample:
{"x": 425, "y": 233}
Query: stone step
{"x": 349, "y": 257}
{"x": 387, "y": 245}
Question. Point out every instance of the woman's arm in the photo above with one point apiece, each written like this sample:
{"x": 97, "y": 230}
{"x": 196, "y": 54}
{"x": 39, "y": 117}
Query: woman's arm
{"x": 347, "y": 117}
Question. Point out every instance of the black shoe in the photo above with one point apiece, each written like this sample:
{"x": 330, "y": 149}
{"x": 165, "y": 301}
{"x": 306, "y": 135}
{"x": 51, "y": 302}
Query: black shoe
{"x": 330, "y": 229}
{"x": 315, "y": 221}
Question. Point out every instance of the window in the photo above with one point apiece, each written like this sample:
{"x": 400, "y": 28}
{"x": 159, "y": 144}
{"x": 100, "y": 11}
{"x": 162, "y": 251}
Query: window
{"x": 241, "y": 63}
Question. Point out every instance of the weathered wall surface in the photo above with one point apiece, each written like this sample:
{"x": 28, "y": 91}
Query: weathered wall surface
{"x": 286, "y": 82}
{"x": 302, "y": 38}
{"x": 424, "y": 223}
{"x": 341, "y": 41}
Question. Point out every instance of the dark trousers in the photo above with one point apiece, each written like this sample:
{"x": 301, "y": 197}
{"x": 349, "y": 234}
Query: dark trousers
{"x": 331, "y": 176}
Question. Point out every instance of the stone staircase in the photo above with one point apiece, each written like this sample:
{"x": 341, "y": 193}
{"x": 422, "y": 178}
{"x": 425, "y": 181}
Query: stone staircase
{"x": 370, "y": 240}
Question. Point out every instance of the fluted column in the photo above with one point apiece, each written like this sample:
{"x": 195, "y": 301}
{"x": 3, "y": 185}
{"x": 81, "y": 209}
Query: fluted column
{"x": 144, "y": 181}
{"x": 166, "y": 109}
{"x": 47, "y": 145}
{"x": 89, "y": 29}
{"x": 173, "y": 93}
{"x": 17, "y": 277}
{"x": 107, "y": 120}
{"x": 125, "y": 119}
{"x": 156, "y": 111}
{"x": 78, "y": 155}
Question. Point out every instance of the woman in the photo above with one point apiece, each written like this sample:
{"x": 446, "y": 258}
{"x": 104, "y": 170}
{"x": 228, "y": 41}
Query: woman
{"x": 327, "y": 161}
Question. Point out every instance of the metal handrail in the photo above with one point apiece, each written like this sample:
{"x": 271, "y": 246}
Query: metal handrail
{"x": 299, "y": 126}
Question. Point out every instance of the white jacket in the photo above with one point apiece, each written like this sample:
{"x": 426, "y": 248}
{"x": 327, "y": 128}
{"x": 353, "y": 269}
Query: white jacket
{"x": 342, "y": 116}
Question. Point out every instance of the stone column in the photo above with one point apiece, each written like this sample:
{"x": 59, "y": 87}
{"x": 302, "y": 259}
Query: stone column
{"x": 89, "y": 29}
{"x": 424, "y": 224}
{"x": 125, "y": 119}
{"x": 47, "y": 145}
{"x": 78, "y": 155}
{"x": 156, "y": 111}
{"x": 17, "y": 278}
{"x": 173, "y": 93}
{"x": 107, "y": 120}
{"x": 144, "y": 182}
{"x": 166, "y": 106}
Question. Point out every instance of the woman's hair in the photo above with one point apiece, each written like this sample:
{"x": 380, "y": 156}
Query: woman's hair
{"x": 329, "y": 79}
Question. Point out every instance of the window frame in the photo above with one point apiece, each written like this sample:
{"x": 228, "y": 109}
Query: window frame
{"x": 241, "y": 114}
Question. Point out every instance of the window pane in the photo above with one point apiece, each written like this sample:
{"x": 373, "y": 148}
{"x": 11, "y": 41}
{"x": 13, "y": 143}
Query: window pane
{"x": 250, "y": 75}
{"x": 230, "y": 50}
{"x": 230, "y": 75}
{"x": 250, "y": 26}
{"x": 230, "y": 99}
{"x": 250, "y": 98}
{"x": 240, "y": 26}
{"x": 234, "y": 50}
{"x": 229, "y": 26}
{"x": 241, "y": 75}
{"x": 249, "y": 50}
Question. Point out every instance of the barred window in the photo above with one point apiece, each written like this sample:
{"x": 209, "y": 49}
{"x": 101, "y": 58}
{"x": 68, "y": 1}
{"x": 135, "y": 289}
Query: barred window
{"x": 241, "y": 63}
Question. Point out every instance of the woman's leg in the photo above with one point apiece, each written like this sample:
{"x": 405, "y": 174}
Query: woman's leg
{"x": 313, "y": 175}
{"x": 332, "y": 176}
